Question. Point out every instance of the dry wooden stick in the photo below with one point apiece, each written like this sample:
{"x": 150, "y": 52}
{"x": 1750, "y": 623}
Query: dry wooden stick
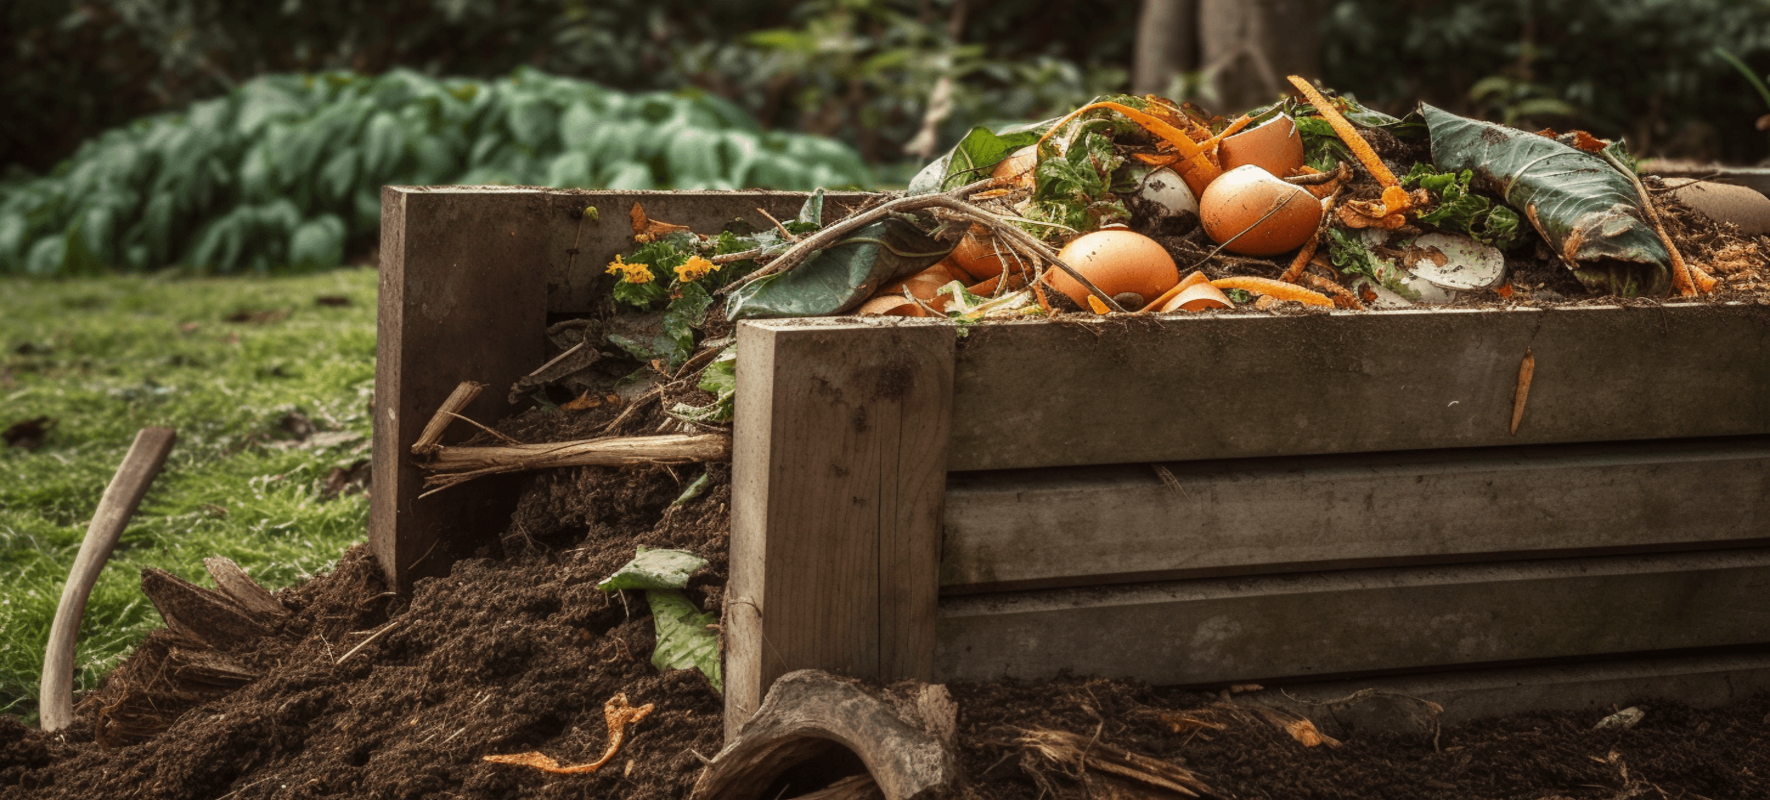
{"x": 431, "y": 438}
{"x": 1526, "y": 369}
{"x": 453, "y": 465}
{"x": 954, "y": 202}
{"x": 1683, "y": 276}
{"x": 144, "y": 460}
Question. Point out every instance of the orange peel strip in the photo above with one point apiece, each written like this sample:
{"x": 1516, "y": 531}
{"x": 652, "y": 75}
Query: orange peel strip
{"x": 1095, "y": 304}
{"x": 620, "y": 716}
{"x": 1189, "y": 149}
{"x": 1342, "y": 296}
{"x": 1348, "y": 134}
{"x": 1233, "y": 129}
{"x": 1276, "y": 289}
{"x": 1302, "y": 260}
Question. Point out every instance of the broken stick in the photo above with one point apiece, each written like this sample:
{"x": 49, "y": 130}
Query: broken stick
{"x": 144, "y": 460}
{"x": 452, "y": 465}
{"x": 431, "y": 438}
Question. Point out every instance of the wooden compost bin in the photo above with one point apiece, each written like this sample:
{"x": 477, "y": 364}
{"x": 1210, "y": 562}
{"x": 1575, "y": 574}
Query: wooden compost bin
{"x": 1194, "y": 501}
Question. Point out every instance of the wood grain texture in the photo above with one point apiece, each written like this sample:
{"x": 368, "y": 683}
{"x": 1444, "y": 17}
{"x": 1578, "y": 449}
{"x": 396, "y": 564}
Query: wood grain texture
{"x": 1141, "y": 389}
{"x": 468, "y": 277}
{"x": 1224, "y": 630}
{"x": 838, "y": 472}
{"x": 147, "y": 454}
{"x": 1108, "y": 524}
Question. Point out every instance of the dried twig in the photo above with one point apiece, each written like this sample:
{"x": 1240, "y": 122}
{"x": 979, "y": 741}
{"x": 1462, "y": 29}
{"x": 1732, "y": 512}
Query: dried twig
{"x": 454, "y": 465}
{"x": 1076, "y": 755}
{"x": 431, "y": 438}
{"x": 365, "y": 643}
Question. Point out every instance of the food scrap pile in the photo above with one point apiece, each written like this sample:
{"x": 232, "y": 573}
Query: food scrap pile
{"x": 1143, "y": 205}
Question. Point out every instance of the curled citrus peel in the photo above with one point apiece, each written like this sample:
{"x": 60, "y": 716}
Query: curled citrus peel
{"x": 620, "y": 716}
{"x": 1275, "y": 289}
{"x": 1186, "y": 283}
{"x": 1395, "y": 198}
{"x": 1198, "y": 170}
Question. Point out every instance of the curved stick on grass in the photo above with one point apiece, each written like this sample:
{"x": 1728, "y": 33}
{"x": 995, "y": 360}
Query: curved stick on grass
{"x": 146, "y": 456}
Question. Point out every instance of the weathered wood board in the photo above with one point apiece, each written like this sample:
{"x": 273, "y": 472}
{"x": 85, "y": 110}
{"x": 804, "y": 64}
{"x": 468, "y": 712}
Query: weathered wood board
{"x": 1112, "y": 524}
{"x": 838, "y": 472}
{"x": 1119, "y": 390}
{"x": 1218, "y": 630}
{"x": 468, "y": 277}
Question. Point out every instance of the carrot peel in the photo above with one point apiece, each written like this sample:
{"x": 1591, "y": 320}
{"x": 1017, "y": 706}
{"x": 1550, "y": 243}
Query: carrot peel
{"x": 1199, "y": 171}
{"x": 1276, "y": 289}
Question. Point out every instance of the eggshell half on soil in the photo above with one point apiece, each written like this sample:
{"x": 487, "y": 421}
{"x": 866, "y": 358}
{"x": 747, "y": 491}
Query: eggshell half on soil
{"x": 891, "y": 306}
{"x": 1017, "y": 169}
{"x": 1274, "y": 145}
{"x": 1257, "y": 214}
{"x": 1118, "y": 261}
{"x": 1198, "y": 297}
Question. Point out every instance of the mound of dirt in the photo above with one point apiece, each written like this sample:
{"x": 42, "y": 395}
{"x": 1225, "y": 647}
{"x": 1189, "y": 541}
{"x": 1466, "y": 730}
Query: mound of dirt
{"x": 361, "y": 693}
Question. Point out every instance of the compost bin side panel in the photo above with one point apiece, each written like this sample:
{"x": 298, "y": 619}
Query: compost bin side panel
{"x": 1074, "y": 526}
{"x": 1116, "y": 390}
{"x": 1230, "y": 630}
{"x": 839, "y": 472}
{"x": 463, "y": 297}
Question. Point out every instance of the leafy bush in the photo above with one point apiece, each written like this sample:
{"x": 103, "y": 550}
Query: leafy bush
{"x": 287, "y": 169}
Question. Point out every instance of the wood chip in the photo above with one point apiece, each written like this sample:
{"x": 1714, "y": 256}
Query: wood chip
{"x": 1522, "y": 394}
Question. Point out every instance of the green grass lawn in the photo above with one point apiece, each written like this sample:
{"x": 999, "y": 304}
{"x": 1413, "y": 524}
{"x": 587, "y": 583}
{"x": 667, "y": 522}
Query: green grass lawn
{"x": 105, "y": 357}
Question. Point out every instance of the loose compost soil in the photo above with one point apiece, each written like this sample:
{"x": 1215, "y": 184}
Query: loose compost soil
{"x": 364, "y": 694}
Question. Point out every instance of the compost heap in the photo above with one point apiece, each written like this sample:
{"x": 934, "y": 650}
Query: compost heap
{"x": 528, "y": 671}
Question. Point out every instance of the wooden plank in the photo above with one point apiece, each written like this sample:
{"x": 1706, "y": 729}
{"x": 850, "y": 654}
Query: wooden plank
{"x": 468, "y": 277}
{"x": 838, "y": 467}
{"x": 1105, "y": 524}
{"x": 1391, "y": 705}
{"x": 1229, "y": 386}
{"x": 1220, "y": 630}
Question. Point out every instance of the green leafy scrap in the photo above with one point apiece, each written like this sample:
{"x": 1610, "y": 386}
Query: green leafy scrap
{"x": 1349, "y": 255}
{"x": 654, "y": 569}
{"x": 977, "y": 155}
{"x": 687, "y": 638}
{"x": 719, "y": 380}
{"x": 1461, "y": 210}
{"x": 1074, "y": 189}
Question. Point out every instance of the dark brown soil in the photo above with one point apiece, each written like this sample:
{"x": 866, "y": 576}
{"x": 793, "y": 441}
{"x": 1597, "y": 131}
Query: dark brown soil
{"x": 520, "y": 651}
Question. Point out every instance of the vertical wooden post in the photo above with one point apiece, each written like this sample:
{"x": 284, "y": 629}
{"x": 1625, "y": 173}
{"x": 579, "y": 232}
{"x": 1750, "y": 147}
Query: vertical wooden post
{"x": 839, "y": 472}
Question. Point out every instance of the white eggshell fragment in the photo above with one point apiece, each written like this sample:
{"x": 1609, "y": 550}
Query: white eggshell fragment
{"x": 1469, "y": 265}
{"x": 1165, "y": 188}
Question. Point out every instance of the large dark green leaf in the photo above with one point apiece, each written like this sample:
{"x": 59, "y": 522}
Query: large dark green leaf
{"x": 841, "y": 277}
{"x": 1586, "y": 210}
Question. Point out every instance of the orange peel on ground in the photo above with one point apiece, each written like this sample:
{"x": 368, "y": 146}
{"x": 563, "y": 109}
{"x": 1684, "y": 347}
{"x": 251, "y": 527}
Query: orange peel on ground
{"x": 1275, "y": 289}
{"x": 620, "y": 716}
{"x": 1199, "y": 170}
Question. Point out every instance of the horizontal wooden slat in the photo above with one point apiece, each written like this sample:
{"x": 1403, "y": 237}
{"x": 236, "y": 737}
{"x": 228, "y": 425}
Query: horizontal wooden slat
{"x": 1119, "y": 390}
{"x": 1089, "y": 525}
{"x": 1286, "y": 626}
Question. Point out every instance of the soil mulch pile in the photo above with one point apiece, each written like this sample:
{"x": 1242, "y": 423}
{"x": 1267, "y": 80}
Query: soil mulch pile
{"x": 361, "y": 693}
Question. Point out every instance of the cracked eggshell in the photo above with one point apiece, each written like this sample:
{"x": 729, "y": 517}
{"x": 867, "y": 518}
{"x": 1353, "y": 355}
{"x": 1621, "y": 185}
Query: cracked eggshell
{"x": 981, "y": 258}
{"x": 891, "y": 306}
{"x": 1016, "y": 170}
{"x": 1258, "y": 214}
{"x": 1274, "y": 145}
{"x": 1469, "y": 265}
{"x": 1119, "y": 261}
{"x": 1164, "y": 188}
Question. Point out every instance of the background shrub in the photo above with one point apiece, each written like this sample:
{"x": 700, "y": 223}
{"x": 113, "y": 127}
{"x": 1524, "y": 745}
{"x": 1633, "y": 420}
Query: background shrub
{"x": 287, "y": 170}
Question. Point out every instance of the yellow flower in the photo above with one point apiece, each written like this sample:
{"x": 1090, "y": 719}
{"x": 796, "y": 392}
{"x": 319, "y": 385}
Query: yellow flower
{"x": 694, "y": 269}
{"x": 637, "y": 273}
{"x": 630, "y": 273}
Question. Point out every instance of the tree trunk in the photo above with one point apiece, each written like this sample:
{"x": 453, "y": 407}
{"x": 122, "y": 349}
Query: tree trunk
{"x": 1167, "y": 45}
{"x": 1249, "y": 46}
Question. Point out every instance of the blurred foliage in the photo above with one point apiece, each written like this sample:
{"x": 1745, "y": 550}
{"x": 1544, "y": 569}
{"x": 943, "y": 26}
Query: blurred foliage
{"x": 861, "y": 69}
{"x": 1645, "y": 69}
{"x": 287, "y": 169}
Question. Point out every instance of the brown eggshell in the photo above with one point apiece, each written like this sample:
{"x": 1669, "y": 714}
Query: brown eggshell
{"x": 1016, "y": 170}
{"x": 1117, "y": 260}
{"x": 891, "y": 306}
{"x": 1274, "y": 145}
{"x": 980, "y": 257}
{"x": 922, "y": 285}
{"x": 1234, "y": 205}
{"x": 1198, "y": 297}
